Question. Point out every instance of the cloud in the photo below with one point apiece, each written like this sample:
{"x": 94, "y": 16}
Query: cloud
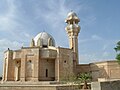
{"x": 96, "y": 57}
{"x": 27, "y": 35}
{"x": 52, "y": 15}
{"x": 99, "y": 49}
{"x": 86, "y": 58}
{"x": 91, "y": 39}
{"x": 88, "y": 20}
{"x": 12, "y": 21}
{"x": 106, "y": 54}
{"x": 5, "y": 43}
{"x": 7, "y": 19}
{"x": 105, "y": 46}
{"x": 96, "y": 37}
{"x": 48, "y": 15}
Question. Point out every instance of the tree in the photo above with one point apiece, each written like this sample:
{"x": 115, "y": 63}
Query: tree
{"x": 84, "y": 77}
{"x": 70, "y": 79}
{"x": 117, "y": 49}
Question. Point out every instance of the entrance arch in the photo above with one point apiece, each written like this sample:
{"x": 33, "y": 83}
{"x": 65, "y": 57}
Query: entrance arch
{"x": 29, "y": 70}
{"x": 17, "y": 70}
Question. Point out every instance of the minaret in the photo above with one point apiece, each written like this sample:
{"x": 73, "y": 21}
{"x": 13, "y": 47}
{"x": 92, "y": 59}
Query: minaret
{"x": 73, "y": 30}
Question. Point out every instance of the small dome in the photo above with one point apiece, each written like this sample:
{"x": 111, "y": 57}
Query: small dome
{"x": 44, "y": 39}
{"x": 72, "y": 14}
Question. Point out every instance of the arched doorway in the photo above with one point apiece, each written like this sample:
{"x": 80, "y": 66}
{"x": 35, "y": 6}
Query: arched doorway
{"x": 29, "y": 70}
{"x": 17, "y": 70}
{"x": 47, "y": 70}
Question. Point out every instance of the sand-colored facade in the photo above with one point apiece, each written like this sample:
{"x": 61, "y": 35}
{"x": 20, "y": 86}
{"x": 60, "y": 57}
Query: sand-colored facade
{"x": 37, "y": 64}
{"x": 101, "y": 71}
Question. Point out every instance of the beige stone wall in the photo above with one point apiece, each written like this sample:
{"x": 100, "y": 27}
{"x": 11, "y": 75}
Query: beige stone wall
{"x": 17, "y": 54}
{"x": 33, "y": 64}
{"x": 113, "y": 70}
{"x": 9, "y": 66}
{"x": 99, "y": 70}
{"x": 30, "y": 55}
{"x": 47, "y": 66}
{"x": 42, "y": 59}
{"x": 65, "y": 57}
{"x": 106, "y": 70}
{"x": 27, "y": 88}
{"x": 83, "y": 68}
{"x": 107, "y": 85}
{"x": 36, "y": 87}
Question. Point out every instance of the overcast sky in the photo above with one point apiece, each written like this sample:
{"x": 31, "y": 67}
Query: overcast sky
{"x": 22, "y": 20}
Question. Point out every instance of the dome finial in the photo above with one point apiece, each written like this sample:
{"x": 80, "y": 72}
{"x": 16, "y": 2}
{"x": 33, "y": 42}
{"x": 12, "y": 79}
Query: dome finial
{"x": 32, "y": 43}
{"x": 43, "y": 30}
{"x": 71, "y": 10}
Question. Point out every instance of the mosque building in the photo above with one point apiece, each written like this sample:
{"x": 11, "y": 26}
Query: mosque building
{"x": 43, "y": 61}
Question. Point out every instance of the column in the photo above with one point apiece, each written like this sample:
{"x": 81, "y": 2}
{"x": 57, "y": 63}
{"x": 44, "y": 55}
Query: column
{"x": 36, "y": 67}
{"x": 16, "y": 73}
{"x": 57, "y": 67}
{"x": 23, "y": 68}
{"x": 4, "y": 70}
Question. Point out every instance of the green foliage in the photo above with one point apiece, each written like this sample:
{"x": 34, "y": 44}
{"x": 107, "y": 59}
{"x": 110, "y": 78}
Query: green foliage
{"x": 84, "y": 77}
{"x": 118, "y": 58}
{"x": 118, "y": 43}
{"x": 117, "y": 49}
{"x": 75, "y": 80}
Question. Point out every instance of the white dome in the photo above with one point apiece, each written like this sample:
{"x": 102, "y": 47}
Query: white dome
{"x": 72, "y": 14}
{"x": 43, "y": 38}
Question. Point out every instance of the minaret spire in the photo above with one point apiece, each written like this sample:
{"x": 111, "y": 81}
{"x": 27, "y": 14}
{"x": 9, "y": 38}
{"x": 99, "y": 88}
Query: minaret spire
{"x": 73, "y": 30}
{"x": 32, "y": 44}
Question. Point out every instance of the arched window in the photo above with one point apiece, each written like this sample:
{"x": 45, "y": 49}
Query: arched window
{"x": 50, "y": 42}
{"x": 17, "y": 70}
{"x": 46, "y": 72}
{"x": 39, "y": 42}
{"x": 65, "y": 61}
{"x": 29, "y": 68}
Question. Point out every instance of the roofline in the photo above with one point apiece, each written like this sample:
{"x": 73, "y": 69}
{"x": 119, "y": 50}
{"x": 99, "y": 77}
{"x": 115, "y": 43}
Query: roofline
{"x": 64, "y": 48}
{"x": 103, "y": 61}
